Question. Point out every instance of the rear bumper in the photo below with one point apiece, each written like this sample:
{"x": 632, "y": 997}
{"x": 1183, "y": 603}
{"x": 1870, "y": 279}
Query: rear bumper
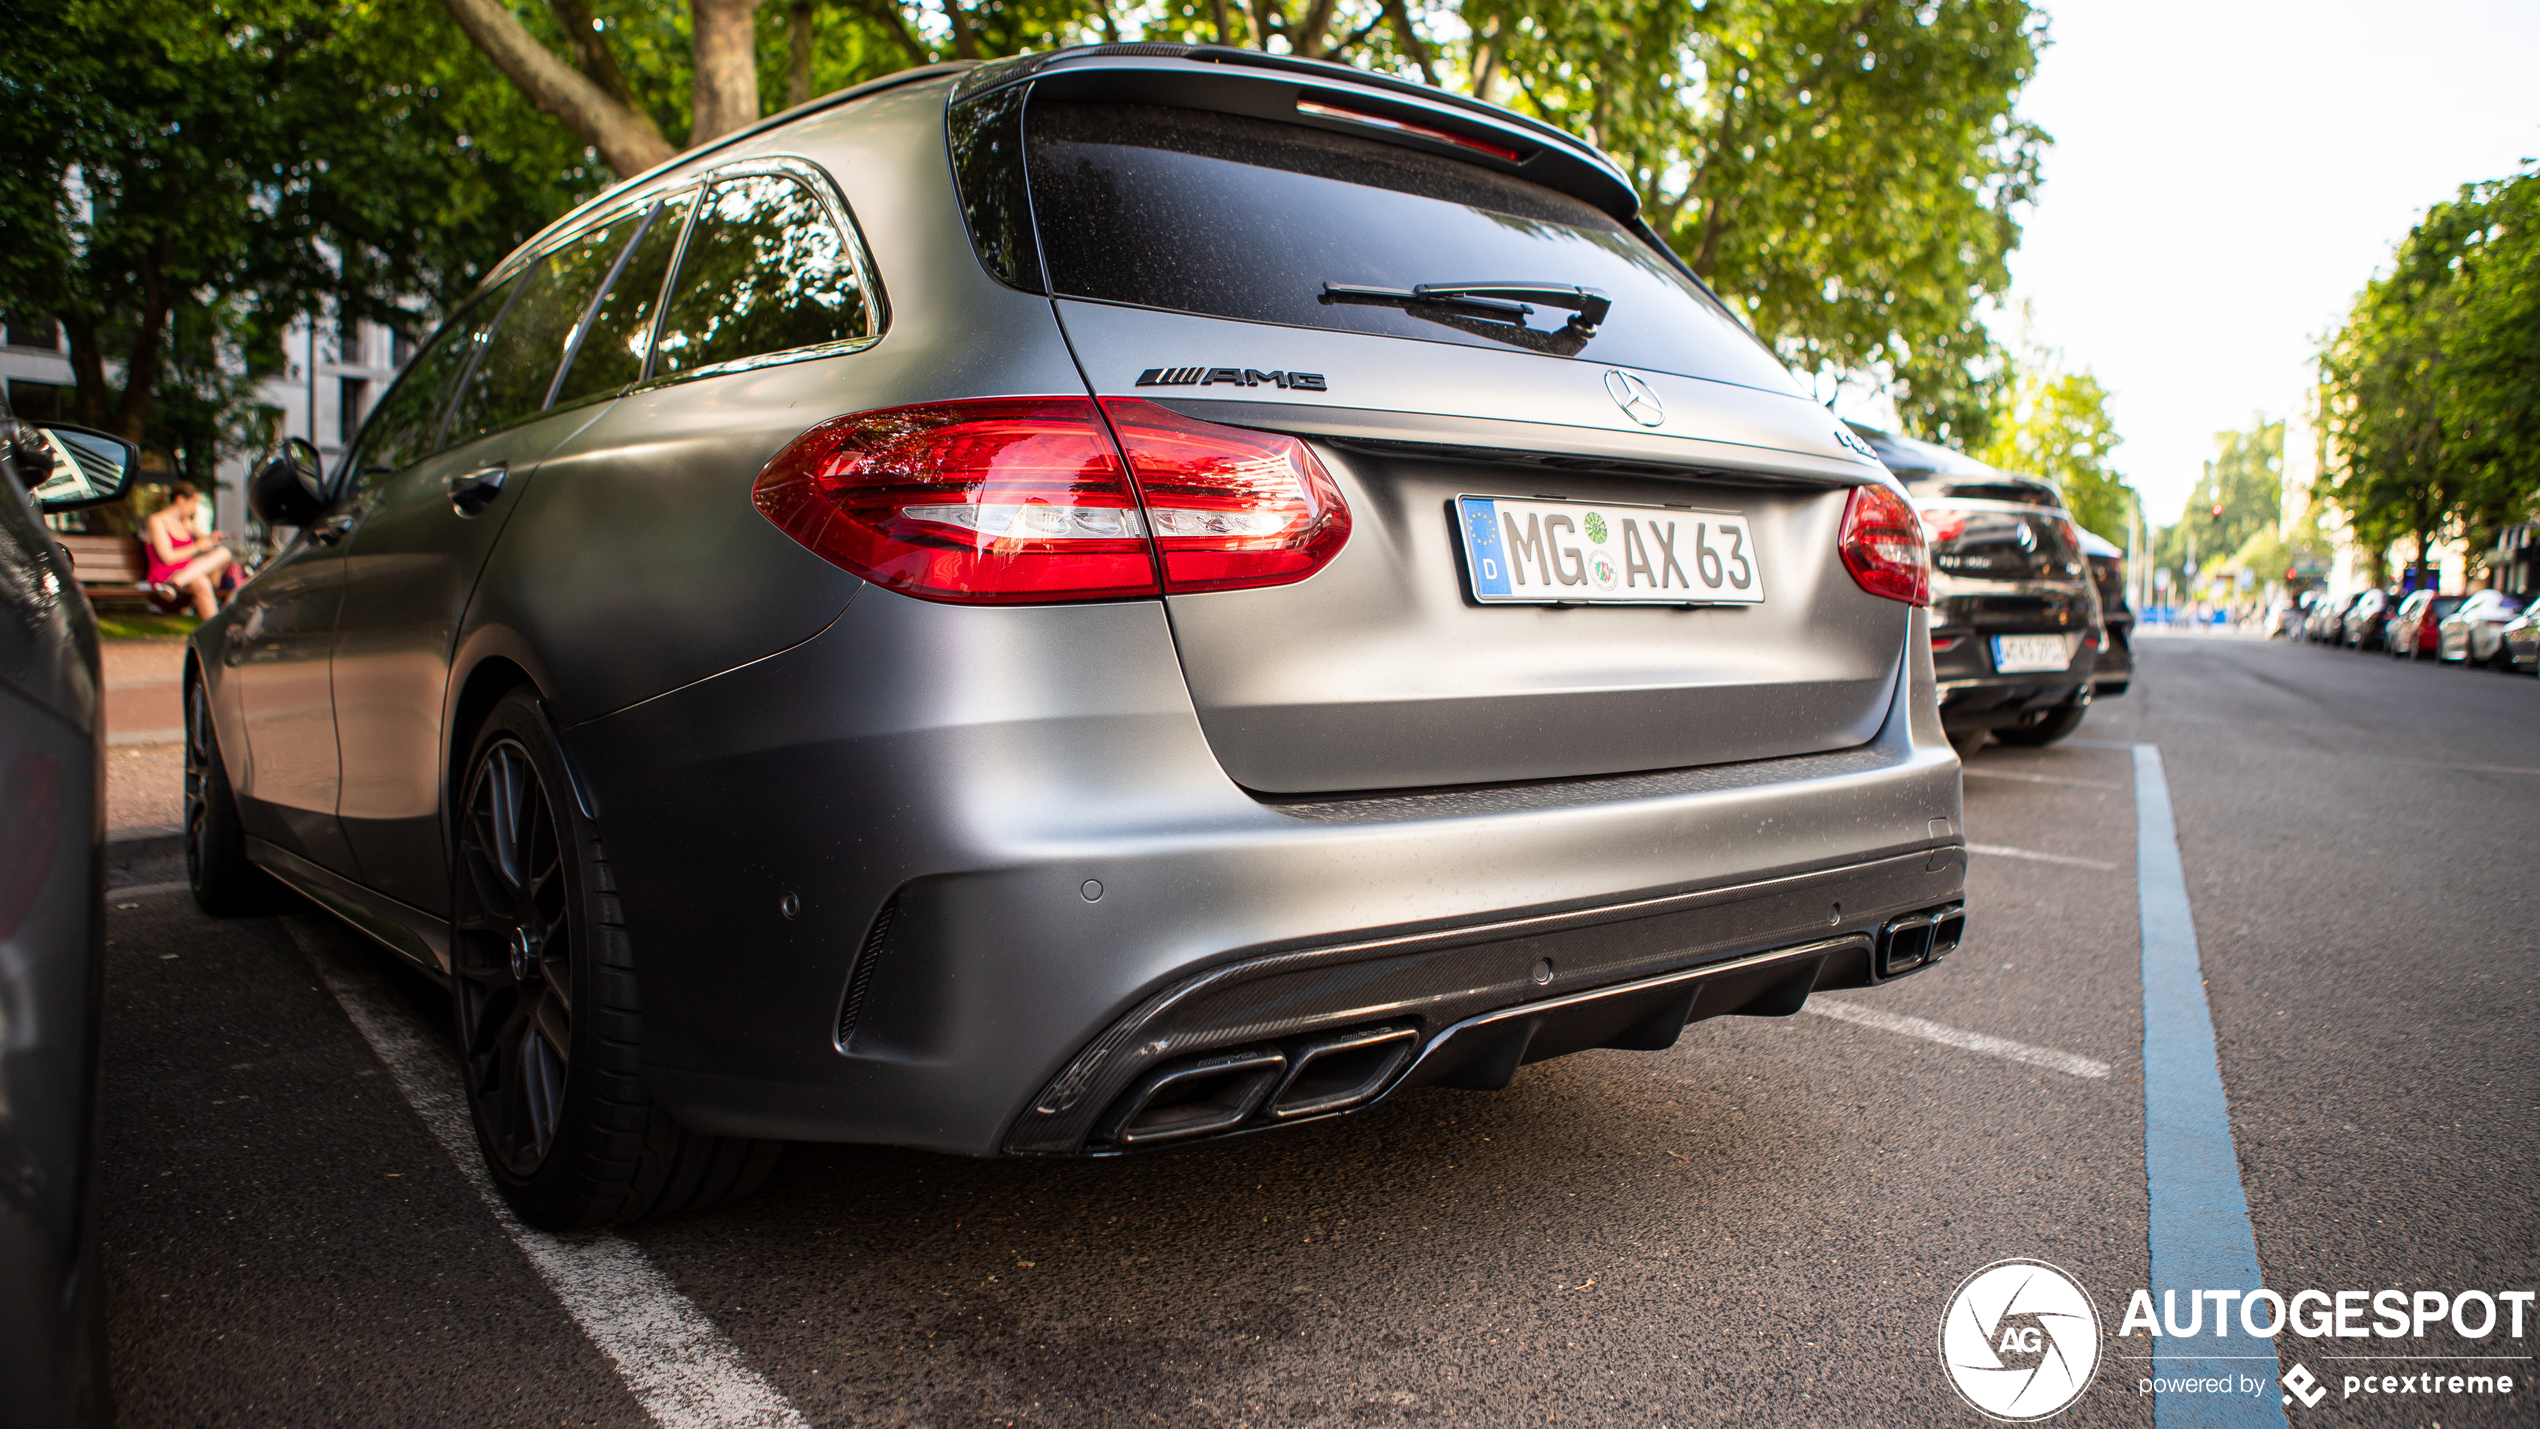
{"x": 1006, "y": 839}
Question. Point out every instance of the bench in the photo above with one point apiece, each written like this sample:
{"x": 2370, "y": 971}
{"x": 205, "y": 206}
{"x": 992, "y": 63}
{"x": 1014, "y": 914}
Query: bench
{"x": 114, "y": 570}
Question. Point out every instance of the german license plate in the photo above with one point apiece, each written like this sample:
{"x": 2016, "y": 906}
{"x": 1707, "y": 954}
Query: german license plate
{"x": 2023, "y": 654}
{"x": 1581, "y": 553}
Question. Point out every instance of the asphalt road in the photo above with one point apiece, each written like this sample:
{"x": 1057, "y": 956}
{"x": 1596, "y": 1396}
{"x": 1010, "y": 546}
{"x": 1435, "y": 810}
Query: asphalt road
{"x": 1760, "y": 1226}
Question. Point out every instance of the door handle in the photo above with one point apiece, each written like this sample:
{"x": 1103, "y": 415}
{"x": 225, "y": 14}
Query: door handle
{"x": 471, "y": 492}
{"x": 332, "y": 529}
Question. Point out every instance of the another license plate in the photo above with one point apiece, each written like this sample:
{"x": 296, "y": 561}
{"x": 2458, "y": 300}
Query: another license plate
{"x": 2023, "y": 654}
{"x": 1581, "y": 553}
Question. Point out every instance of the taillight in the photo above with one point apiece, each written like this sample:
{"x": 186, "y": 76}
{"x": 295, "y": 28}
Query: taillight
{"x": 1004, "y": 500}
{"x": 1229, "y": 508}
{"x": 1882, "y": 545}
{"x": 1016, "y": 500}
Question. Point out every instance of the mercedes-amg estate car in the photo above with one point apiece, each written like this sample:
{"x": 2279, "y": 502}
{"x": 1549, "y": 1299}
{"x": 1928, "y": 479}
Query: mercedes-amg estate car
{"x": 1078, "y": 605}
{"x": 2017, "y": 628}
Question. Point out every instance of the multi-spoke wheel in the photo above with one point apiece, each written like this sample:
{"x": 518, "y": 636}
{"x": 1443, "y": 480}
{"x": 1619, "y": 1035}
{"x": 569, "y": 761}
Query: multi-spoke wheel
{"x": 539, "y": 963}
{"x": 216, "y": 865}
{"x": 514, "y": 963}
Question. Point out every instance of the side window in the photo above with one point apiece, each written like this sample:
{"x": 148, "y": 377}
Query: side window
{"x": 619, "y": 333}
{"x": 403, "y": 427}
{"x": 767, "y": 269}
{"x": 520, "y": 363}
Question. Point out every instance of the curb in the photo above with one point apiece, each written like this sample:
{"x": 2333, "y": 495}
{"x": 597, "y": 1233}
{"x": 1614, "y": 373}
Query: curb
{"x": 150, "y": 853}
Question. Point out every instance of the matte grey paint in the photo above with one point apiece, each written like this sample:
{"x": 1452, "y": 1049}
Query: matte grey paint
{"x": 748, "y": 722}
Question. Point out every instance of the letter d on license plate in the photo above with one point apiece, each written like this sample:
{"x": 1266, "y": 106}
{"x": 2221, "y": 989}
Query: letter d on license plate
{"x": 1577, "y": 553}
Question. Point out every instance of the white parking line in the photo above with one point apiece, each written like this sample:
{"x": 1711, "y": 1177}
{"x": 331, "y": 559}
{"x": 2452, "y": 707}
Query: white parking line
{"x": 676, "y": 1363}
{"x": 2037, "y": 779}
{"x": 1999, "y": 851}
{"x": 1960, "y": 1038}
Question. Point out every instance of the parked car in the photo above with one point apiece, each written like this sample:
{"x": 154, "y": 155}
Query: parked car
{"x": 2412, "y": 630}
{"x": 2115, "y": 668}
{"x": 2016, "y": 626}
{"x": 873, "y": 632}
{"x": 2285, "y": 618}
{"x": 2367, "y": 619}
{"x": 2474, "y": 634}
{"x": 2521, "y": 638}
{"x": 52, "y": 932}
{"x": 2326, "y": 623}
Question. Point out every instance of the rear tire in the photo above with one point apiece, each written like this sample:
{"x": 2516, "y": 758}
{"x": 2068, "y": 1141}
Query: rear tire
{"x": 545, "y": 991}
{"x": 225, "y": 883}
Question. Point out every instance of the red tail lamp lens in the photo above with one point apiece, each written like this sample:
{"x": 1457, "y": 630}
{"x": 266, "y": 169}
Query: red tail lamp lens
{"x": 1882, "y": 545}
{"x": 1230, "y": 508}
{"x": 1001, "y": 501}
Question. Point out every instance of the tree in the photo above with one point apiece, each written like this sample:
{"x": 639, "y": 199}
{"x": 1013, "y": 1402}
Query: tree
{"x": 1848, "y": 175}
{"x": 2240, "y": 497}
{"x": 188, "y": 179}
{"x": 2054, "y": 424}
{"x": 2431, "y": 391}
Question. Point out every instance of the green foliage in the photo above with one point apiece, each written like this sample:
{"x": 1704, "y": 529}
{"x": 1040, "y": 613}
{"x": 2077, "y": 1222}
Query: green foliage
{"x": 2431, "y": 391}
{"x": 188, "y": 177}
{"x": 2055, "y": 424}
{"x": 2246, "y": 480}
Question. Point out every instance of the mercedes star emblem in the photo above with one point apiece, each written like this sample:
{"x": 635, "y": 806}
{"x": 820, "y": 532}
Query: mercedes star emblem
{"x": 1635, "y": 397}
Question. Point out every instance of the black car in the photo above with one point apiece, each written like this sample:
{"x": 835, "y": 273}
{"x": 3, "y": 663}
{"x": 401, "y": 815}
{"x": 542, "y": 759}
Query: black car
{"x": 2016, "y": 628}
{"x": 52, "y": 933}
{"x": 2115, "y": 669}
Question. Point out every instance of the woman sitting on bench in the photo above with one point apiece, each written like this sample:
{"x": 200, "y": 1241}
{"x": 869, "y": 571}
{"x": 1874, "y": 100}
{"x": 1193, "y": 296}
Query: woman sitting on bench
{"x": 181, "y": 558}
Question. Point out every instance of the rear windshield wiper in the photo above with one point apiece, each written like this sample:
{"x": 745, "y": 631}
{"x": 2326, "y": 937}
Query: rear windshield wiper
{"x": 1491, "y": 302}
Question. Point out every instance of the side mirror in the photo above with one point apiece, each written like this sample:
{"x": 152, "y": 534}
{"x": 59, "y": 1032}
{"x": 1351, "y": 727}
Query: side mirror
{"x": 288, "y": 491}
{"x": 85, "y": 468}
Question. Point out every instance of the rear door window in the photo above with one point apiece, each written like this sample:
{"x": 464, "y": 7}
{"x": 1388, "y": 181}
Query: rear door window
{"x": 1238, "y": 217}
{"x": 767, "y": 269}
{"x": 519, "y": 366}
{"x": 2000, "y": 545}
{"x": 618, "y": 334}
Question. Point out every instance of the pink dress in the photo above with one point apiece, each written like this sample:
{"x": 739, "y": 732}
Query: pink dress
{"x": 161, "y": 572}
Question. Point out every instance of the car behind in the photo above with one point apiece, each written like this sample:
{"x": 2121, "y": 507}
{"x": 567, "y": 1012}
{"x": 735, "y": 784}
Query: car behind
{"x": 2473, "y": 634}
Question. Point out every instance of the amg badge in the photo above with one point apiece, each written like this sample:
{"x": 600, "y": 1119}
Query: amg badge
{"x": 1234, "y": 376}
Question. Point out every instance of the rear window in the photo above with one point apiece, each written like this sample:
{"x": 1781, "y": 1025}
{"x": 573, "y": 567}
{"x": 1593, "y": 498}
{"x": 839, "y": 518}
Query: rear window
{"x": 2000, "y": 545}
{"x": 1236, "y": 217}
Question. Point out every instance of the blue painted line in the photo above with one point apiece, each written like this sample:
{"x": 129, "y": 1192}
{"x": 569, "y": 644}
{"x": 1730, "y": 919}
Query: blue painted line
{"x": 2201, "y": 1237}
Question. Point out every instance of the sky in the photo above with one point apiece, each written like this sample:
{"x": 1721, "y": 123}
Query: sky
{"x": 2226, "y": 175}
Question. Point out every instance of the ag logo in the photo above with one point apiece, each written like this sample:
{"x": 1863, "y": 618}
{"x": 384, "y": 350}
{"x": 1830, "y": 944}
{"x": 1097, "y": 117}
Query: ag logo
{"x": 2020, "y": 1340}
{"x": 1637, "y": 398}
{"x": 1845, "y": 436}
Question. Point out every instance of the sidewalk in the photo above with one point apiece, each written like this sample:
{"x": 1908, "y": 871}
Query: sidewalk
{"x": 145, "y": 760}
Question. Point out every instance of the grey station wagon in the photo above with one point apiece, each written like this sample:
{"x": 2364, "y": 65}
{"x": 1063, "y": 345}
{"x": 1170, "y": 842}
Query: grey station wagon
{"x": 1077, "y": 605}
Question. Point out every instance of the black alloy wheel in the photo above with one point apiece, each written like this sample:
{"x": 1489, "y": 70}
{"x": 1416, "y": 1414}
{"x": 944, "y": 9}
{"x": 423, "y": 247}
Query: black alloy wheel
{"x": 540, "y": 964}
{"x": 225, "y": 883}
{"x": 512, "y": 966}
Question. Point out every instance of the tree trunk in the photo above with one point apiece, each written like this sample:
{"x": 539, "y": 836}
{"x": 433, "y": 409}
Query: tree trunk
{"x": 726, "y": 83}
{"x": 965, "y": 43}
{"x": 88, "y": 372}
{"x": 625, "y": 136}
{"x": 141, "y": 369}
{"x": 798, "y": 54}
{"x": 591, "y": 51}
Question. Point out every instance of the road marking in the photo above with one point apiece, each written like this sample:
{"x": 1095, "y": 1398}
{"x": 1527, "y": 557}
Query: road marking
{"x": 1999, "y": 851}
{"x": 2037, "y": 779}
{"x": 2003, "y": 1047}
{"x": 2200, "y": 1231}
{"x": 675, "y": 1361}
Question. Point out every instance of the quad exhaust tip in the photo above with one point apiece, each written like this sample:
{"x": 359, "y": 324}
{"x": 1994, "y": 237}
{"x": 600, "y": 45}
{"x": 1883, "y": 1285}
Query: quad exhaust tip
{"x": 1224, "y": 1090}
{"x": 1920, "y": 939}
